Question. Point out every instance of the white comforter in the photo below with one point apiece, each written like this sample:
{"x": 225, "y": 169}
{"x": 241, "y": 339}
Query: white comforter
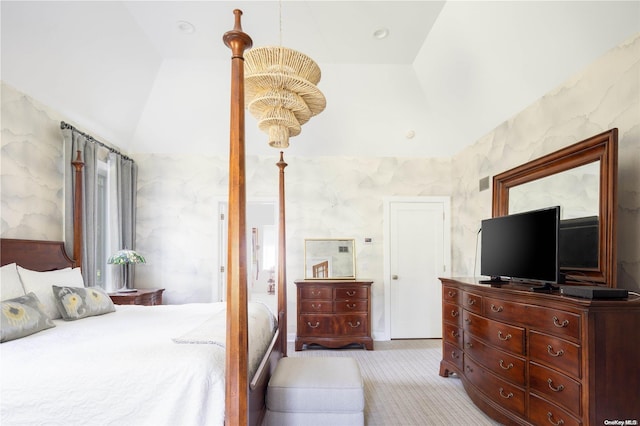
{"x": 124, "y": 368}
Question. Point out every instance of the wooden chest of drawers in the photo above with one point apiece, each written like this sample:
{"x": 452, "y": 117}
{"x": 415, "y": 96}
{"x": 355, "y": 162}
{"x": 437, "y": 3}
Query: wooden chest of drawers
{"x": 334, "y": 313}
{"x": 146, "y": 297}
{"x": 529, "y": 358}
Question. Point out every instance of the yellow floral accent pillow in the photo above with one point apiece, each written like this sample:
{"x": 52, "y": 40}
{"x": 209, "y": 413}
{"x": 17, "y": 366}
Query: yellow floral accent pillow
{"x": 21, "y": 317}
{"x": 76, "y": 303}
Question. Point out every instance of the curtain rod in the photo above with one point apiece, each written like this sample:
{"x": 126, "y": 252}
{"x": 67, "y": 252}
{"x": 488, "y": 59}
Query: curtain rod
{"x": 64, "y": 125}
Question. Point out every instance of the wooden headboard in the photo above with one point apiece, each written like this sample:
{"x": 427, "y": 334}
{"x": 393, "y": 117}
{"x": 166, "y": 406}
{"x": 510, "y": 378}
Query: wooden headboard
{"x": 35, "y": 255}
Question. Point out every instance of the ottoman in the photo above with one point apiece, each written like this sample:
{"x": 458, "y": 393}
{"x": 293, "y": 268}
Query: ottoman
{"x": 315, "y": 391}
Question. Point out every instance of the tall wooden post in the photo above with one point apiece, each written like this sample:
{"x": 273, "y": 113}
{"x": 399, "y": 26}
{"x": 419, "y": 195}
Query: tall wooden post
{"x": 236, "y": 400}
{"x": 282, "y": 261}
{"x": 78, "y": 164}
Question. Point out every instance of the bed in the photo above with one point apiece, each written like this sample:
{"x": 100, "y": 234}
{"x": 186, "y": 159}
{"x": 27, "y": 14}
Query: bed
{"x": 168, "y": 364}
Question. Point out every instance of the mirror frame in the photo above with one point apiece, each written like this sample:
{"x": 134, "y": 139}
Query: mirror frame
{"x": 602, "y": 147}
{"x": 351, "y": 241}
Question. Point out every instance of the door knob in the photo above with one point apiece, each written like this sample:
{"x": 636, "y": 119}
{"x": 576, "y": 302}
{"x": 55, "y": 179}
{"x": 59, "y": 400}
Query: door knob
{"x": 394, "y": 277}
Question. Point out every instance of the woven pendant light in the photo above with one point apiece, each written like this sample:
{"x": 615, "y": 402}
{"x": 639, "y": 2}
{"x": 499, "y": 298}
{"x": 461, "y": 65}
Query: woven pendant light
{"x": 281, "y": 92}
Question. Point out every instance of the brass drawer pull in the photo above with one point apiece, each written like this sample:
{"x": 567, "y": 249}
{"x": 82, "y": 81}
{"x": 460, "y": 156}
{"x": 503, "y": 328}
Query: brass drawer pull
{"x": 351, "y": 293}
{"x": 357, "y": 324}
{"x": 351, "y": 305}
{"x": 313, "y": 326}
{"x": 469, "y": 369}
{"x": 471, "y": 301}
{"x": 550, "y": 418}
{"x": 508, "y": 367}
{"x": 316, "y": 293}
{"x": 507, "y": 396}
{"x": 455, "y": 355}
{"x": 318, "y": 306}
{"x": 496, "y": 309}
{"x": 454, "y": 313}
{"x": 467, "y": 320}
{"x": 559, "y": 324}
{"x": 505, "y": 338}
{"x": 469, "y": 344}
{"x": 452, "y": 294}
{"x": 455, "y": 334}
{"x": 556, "y": 354}
{"x": 559, "y": 388}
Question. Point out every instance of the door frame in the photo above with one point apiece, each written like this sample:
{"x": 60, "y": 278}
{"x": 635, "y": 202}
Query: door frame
{"x": 445, "y": 200}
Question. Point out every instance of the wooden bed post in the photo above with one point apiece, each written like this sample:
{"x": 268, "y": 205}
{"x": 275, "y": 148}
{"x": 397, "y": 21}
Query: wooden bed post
{"x": 282, "y": 262}
{"x": 236, "y": 380}
{"x": 78, "y": 164}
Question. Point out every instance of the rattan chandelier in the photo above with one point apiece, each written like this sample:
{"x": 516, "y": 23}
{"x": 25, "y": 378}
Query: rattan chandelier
{"x": 281, "y": 92}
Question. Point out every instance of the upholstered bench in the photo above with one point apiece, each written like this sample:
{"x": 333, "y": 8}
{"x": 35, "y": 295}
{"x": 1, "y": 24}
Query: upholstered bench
{"x": 315, "y": 391}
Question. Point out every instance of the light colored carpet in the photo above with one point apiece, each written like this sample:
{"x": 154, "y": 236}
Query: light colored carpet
{"x": 402, "y": 386}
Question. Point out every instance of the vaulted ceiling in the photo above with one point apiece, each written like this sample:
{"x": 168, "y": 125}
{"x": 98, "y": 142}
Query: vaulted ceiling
{"x": 134, "y": 74}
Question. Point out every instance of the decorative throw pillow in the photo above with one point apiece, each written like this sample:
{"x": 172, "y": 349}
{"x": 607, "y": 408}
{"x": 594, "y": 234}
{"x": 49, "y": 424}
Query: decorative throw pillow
{"x": 40, "y": 283}
{"x": 10, "y": 284}
{"x": 75, "y": 303}
{"x": 21, "y": 317}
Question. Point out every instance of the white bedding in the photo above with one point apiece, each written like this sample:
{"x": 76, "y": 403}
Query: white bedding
{"x": 124, "y": 368}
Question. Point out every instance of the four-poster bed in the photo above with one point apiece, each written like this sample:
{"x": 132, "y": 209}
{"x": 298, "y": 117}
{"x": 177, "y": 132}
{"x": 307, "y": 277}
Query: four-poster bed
{"x": 246, "y": 368}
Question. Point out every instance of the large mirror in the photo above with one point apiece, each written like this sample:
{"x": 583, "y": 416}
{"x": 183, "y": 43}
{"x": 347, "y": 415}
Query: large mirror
{"x": 331, "y": 259}
{"x": 581, "y": 179}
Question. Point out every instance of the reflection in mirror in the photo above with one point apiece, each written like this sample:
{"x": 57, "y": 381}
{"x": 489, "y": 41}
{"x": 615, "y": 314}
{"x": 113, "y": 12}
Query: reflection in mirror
{"x": 577, "y": 191}
{"x": 329, "y": 259}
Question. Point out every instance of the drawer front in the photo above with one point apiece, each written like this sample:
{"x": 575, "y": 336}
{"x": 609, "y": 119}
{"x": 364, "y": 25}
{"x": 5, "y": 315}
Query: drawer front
{"x": 542, "y": 412}
{"x": 316, "y": 292}
{"x": 352, "y": 293}
{"x": 555, "y": 386}
{"x": 502, "y": 363}
{"x": 452, "y": 334}
{"x": 453, "y": 354}
{"x": 333, "y": 325}
{"x": 320, "y": 306}
{"x": 555, "y": 352}
{"x": 352, "y": 306}
{"x": 452, "y": 313}
{"x": 451, "y": 295}
{"x": 503, "y": 336}
{"x": 472, "y": 302}
{"x": 502, "y": 392}
{"x": 553, "y": 321}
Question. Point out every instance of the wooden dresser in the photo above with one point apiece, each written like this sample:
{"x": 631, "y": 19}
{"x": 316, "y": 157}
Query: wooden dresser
{"x": 334, "y": 313}
{"x": 146, "y": 297}
{"x": 542, "y": 359}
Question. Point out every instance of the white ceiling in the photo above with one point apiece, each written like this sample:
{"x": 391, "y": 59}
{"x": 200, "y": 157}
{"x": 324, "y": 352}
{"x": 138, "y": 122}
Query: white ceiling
{"x": 449, "y": 71}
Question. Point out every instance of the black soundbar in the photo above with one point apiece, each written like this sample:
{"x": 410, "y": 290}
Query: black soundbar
{"x": 593, "y": 292}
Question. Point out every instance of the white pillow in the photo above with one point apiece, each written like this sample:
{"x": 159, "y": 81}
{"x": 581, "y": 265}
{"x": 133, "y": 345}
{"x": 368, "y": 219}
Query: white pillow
{"x": 10, "y": 284}
{"x": 41, "y": 283}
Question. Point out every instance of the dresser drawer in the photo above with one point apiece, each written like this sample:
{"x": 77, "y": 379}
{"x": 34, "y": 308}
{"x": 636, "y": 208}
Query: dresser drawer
{"x": 502, "y": 363}
{"x": 453, "y": 354}
{"x": 501, "y": 335}
{"x": 451, "y": 295}
{"x": 452, "y": 313}
{"x": 501, "y": 391}
{"x": 311, "y": 306}
{"x": 555, "y": 352}
{"x": 542, "y": 412}
{"x": 472, "y": 302}
{"x": 352, "y": 293}
{"x": 352, "y": 306}
{"x": 312, "y": 292}
{"x": 553, "y": 321}
{"x": 555, "y": 386}
{"x": 452, "y": 334}
{"x": 333, "y": 325}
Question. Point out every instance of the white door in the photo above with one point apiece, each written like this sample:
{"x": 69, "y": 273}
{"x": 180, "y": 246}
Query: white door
{"x": 418, "y": 255}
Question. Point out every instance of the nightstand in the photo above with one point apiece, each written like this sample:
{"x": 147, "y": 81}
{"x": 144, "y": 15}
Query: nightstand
{"x": 143, "y": 296}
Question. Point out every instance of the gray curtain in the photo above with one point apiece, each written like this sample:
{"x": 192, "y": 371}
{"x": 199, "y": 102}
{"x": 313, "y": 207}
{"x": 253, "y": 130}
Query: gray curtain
{"x": 121, "y": 216}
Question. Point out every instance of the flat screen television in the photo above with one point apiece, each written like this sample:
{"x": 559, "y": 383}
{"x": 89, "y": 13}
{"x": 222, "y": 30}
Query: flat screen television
{"x": 522, "y": 246}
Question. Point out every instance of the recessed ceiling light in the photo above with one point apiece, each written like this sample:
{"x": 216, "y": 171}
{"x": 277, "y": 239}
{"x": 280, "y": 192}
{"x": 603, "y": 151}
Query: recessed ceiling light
{"x": 185, "y": 27}
{"x": 381, "y": 33}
